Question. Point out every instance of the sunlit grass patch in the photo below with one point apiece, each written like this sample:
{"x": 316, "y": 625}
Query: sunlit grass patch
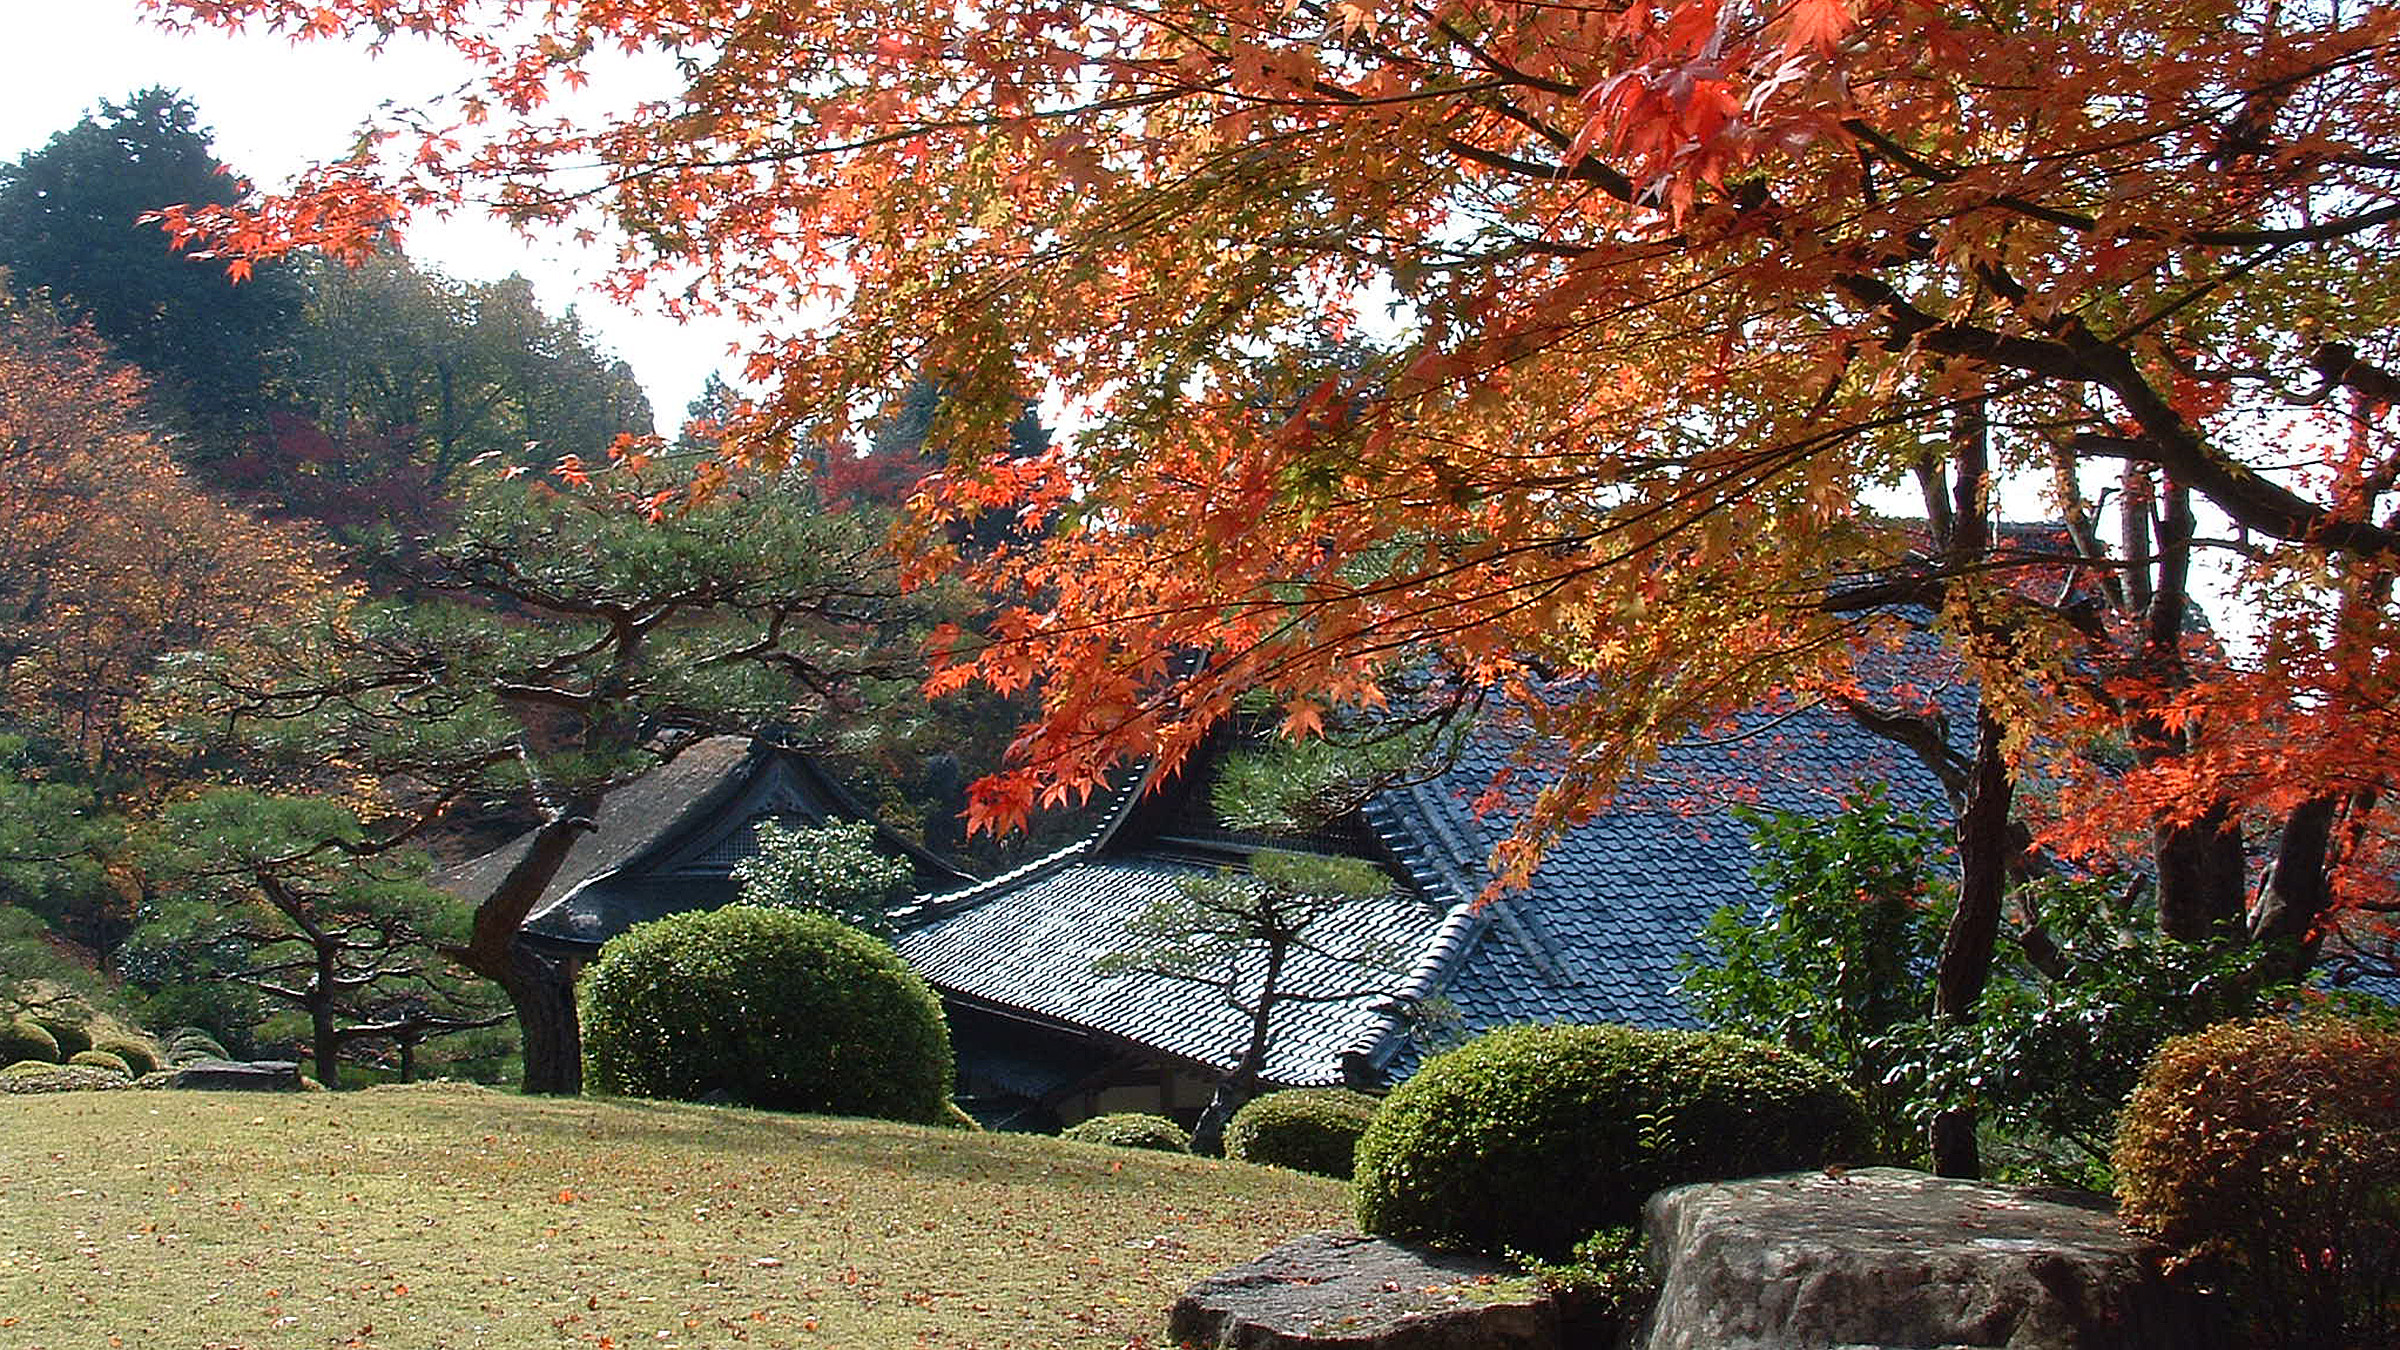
{"x": 456, "y": 1216}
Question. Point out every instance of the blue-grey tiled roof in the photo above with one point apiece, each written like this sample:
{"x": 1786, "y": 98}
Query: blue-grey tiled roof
{"x": 1597, "y": 937}
{"x": 1599, "y": 933}
{"x": 1030, "y": 948}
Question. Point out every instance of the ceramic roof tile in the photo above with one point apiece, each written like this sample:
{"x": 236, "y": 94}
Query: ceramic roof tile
{"x": 1600, "y": 933}
{"x": 1031, "y": 949}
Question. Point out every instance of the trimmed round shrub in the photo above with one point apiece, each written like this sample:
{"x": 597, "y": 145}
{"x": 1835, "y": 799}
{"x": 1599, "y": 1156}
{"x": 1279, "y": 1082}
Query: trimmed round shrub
{"x": 140, "y": 1060}
{"x": 1305, "y": 1129}
{"x": 26, "y": 1068}
{"x": 780, "y": 1009}
{"x": 71, "y": 1037}
{"x": 2267, "y": 1155}
{"x": 1132, "y": 1129}
{"x": 1532, "y": 1138}
{"x": 185, "y": 1044}
{"x": 101, "y": 1059}
{"x": 21, "y": 1041}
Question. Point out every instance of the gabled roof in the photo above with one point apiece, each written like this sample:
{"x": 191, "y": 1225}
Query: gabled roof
{"x": 1029, "y": 948}
{"x": 1597, "y": 936}
{"x": 667, "y": 841}
{"x": 1600, "y": 932}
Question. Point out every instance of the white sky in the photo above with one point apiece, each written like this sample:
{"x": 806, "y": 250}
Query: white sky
{"x": 276, "y": 107}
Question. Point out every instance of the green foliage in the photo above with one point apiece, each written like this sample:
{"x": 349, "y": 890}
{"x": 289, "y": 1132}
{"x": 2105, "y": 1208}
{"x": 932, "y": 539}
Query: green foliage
{"x": 138, "y": 1058}
{"x": 1602, "y": 1287}
{"x": 101, "y": 1059}
{"x": 70, "y": 221}
{"x": 456, "y": 370}
{"x": 1211, "y": 923}
{"x": 776, "y": 1008}
{"x": 53, "y": 836}
{"x": 272, "y": 895}
{"x": 1532, "y": 1138}
{"x": 27, "y": 1068}
{"x": 1845, "y": 953}
{"x": 1840, "y": 969}
{"x": 22, "y": 1040}
{"x": 1131, "y": 1129}
{"x": 186, "y": 1044}
{"x": 744, "y": 611}
{"x": 2267, "y": 1154}
{"x": 1305, "y": 1129}
{"x": 2051, "y": 1061}
{"x": 831, "y": 869}
{"x": 1289, "y": 786}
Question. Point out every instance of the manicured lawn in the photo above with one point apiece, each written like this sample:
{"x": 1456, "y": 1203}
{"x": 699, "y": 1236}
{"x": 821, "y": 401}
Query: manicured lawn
{"x": 456, "y": 1216}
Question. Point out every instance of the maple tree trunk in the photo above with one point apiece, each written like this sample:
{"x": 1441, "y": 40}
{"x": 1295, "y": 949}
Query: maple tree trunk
{"x": 2201, "y": 877}
{"x": 544, "y": 999}
{"x": 1966, "y": 959}
{"x": 2200, "y": 866}
{"x": 2299, "y": 887}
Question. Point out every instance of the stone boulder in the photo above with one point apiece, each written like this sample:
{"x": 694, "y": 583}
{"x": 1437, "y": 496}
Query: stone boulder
{"x": 1883, "y": 1257}
{"x": 233, "y": 1075}
{"x": 1340, "y": 1291}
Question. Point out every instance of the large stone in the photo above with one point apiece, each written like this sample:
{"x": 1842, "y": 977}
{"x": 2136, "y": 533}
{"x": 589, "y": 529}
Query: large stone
{"x": 233, "y": 1075}
{"x": 1888, "y": 1258}
{"x": 1340, "y": 1291}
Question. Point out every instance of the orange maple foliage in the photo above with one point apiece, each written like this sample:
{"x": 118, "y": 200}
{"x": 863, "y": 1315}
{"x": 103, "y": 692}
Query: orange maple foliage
{"x": 112, "y": 556}
{"x": 1676, "y": 288}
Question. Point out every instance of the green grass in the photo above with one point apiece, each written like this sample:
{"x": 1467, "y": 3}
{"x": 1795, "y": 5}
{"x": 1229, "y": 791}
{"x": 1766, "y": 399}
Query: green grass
{"x": 454, "y": 1216}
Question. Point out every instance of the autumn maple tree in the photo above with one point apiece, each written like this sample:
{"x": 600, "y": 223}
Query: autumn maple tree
{"x": 1672, "y": 295}
{"x": 113, "y": 556}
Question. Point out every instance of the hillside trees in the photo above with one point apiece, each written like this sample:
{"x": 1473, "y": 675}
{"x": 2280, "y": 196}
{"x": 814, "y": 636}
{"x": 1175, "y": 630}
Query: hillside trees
{"x": 1679, "y": 289}
{"x": 346, "y": 394}
{"x": 71, "y": 223}
{"x": 112, "y": 556}
{"x": 396, "y": 378}
{"x": 568, "y": 637}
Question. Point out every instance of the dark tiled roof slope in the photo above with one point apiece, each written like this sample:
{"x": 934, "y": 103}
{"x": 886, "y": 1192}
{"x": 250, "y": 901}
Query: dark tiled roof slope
{"x": 1030, "y": 947}
{"x": 1600, "y": 932}
{"x": 631, "y": 819}
{"x": 666, "y": 842}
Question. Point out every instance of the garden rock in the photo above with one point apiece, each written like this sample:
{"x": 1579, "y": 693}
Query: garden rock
{"x": 230, "y": 1075}
{"x": 1340, "y": 1291}
{"x": 1884, "y": 1257}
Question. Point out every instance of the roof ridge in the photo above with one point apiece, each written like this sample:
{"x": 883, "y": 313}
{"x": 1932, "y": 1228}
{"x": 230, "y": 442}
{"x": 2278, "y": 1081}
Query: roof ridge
{"x": 930, "y": 908}
{"x": 1444, "y": 950}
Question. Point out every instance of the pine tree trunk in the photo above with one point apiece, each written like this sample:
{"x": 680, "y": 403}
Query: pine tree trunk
{"x": 1239, "y": 1086}
{"x": 327, "y": 1046}
{"x": 544, "y": 999}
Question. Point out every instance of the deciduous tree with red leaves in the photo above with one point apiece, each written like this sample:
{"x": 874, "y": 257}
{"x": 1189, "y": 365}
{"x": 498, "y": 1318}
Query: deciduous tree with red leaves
{"x": 1676, "y": 290}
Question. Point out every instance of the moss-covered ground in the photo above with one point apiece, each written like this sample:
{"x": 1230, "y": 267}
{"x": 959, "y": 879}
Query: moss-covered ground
{"x": 460, "y": 1217}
